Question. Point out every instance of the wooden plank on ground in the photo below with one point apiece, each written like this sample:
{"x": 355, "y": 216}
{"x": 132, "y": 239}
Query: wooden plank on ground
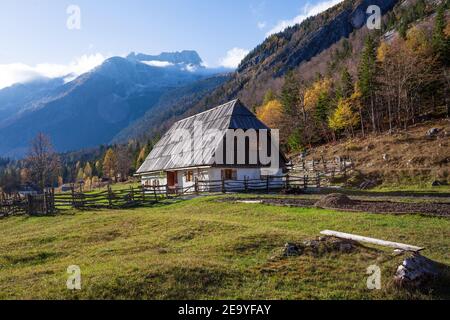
{"x": 348, "y": 236}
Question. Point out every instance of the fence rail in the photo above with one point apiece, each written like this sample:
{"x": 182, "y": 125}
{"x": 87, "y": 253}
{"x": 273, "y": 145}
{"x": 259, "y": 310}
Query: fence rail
{"x": 50, "y": 202}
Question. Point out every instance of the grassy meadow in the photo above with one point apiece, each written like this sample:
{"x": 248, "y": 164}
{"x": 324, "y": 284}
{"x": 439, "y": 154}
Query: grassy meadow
{"x": 205, "y": 249}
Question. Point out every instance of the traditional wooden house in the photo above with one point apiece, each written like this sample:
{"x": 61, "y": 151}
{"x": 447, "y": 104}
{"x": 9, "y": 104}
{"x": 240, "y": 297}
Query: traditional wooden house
{"x": 170, "y": 163}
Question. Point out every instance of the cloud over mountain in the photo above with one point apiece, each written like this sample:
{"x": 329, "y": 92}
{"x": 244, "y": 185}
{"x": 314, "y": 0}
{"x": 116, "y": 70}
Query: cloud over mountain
{"x": 20, "y": 73}
{"x": 309, "y": 10}
{"x": 233, "y": 58}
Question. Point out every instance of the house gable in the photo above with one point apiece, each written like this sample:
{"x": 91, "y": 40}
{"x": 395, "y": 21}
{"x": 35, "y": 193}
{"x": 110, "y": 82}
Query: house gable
{"x": 232, "y": 115}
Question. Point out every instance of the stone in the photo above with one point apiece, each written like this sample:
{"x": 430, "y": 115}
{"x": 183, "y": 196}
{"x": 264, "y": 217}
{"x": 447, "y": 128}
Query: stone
{"x": 386, "y": 157}
{"x": 416, "y": 271}
{"x": 438, "y": 183}
{"x": 291, "y": 250}
{"x": 345, "y": 247}
{"x": 433, "y": 132}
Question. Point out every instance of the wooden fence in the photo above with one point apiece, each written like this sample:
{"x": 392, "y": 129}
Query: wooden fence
{"x": 328, "y": 170}
{"x": 50, "y": 202}
{"x": 32, "y": 204}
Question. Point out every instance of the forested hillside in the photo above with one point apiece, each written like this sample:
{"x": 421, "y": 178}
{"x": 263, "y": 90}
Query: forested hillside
{"x": 323, "y": 80}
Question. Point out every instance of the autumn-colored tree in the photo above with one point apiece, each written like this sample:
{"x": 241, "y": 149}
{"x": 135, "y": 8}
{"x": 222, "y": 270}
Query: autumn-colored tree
{"x": 124, "y": 162}
{"x": 344, "y": 117}
{"x": 99, "y": 168}
{"x": 312, "y": 94}
{"x": 269, "y": 96}
{"x": 141, "y": 157}
{"x": 357, "y": 105}
{"x": 60, "y": 181}
{"x": 271, "y": 114}
{"x": 110, "y": 164}
{"x": 87, "y": 170}
{"x": 80, "y": 175}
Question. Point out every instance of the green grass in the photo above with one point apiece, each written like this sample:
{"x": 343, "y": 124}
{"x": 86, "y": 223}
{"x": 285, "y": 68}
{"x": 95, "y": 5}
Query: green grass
{"x": 203, "y": 249}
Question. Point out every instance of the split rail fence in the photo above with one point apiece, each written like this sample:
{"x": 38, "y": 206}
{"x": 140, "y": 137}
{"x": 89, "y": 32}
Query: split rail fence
{"x": 50, "y": 202}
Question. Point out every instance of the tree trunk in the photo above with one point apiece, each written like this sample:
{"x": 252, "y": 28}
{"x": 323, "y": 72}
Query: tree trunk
{"x": 372, "y": 107}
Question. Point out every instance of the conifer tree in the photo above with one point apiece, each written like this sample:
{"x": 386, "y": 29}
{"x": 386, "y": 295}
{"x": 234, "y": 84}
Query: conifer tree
{"x": 367, "y": 73}
{"x": 290, "y": 94}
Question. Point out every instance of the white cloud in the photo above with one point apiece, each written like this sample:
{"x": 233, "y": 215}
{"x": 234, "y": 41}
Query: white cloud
{"x": 261, "y": 25}
{"x": 308, "y": 11}
{"x": 159, "y": 64}
{"x": 20, "y": 72}
{"x": 233, "y": 58}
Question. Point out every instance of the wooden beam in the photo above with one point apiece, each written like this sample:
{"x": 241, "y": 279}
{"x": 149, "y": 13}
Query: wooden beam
{"x": 347, "y": 236}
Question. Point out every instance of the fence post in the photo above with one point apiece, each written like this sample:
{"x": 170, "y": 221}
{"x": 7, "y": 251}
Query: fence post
{"x": 73, "y": 196}
{"x": 30, "y": 204}
{"x": 305, "y": 181}
{"x": 154, "y": 192}
{"x": 52, "y": 200}
{"x": 143, "y": 193}
{"x": 318, "y": 180}
{"x": 267, "y": 184}
{"x": 345, "y": 170}
{"x": 223, "y": 185}
{"x": 287, "y": 182}
{"x": 246, "y": 184}
{"x": 196, "y": 186}
{"x": 109, "y": 196}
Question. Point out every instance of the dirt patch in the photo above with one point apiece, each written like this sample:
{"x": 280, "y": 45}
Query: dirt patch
{"x": 334, "y": 200}
{"x": 351, "y": 205}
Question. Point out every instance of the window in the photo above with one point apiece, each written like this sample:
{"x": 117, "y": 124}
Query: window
{"x": 189, "y": 175}
{"x": 229, "y": 174}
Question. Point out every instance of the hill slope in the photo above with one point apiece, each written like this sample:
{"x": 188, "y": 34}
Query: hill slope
{"x": 204, "y": 249}
{"x": 405, "y": 158}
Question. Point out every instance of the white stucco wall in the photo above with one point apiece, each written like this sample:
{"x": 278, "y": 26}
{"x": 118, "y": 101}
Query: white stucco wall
{"x": 214, "y": 176}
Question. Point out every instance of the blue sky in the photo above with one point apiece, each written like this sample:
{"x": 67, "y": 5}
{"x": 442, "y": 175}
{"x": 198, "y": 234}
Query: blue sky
{"x": 36, "y": 40}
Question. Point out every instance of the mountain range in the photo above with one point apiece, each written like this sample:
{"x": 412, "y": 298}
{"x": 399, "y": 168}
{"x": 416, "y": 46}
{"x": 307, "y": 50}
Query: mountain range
{"x": 141, "y": 95}
{"x": 92, "y": 109}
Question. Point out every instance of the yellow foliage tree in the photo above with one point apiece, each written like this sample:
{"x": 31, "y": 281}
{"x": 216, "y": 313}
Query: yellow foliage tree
{"x": 110, "y": 164}
{"x": 417, "y": 41}
{"x": 141, "y": 157}
{"x": 382, "y": 51}
{"x": 447, "y": 29}
{"x": 343, "y": 117}
{"x": 87, "y": 170}
{"x": 271, "y": 113}
{"x": 313, "y": 93}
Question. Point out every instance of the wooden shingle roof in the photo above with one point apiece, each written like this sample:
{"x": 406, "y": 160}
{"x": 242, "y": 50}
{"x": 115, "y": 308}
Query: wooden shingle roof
{"x": 231, "y": 115}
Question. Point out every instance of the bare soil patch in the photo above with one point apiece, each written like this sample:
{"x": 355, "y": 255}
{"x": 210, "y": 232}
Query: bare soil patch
{"x": 344, "y": 203}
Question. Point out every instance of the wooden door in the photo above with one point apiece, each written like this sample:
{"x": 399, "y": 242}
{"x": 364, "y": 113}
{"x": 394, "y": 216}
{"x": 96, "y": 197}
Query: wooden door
{"x": 172, "y": 179}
